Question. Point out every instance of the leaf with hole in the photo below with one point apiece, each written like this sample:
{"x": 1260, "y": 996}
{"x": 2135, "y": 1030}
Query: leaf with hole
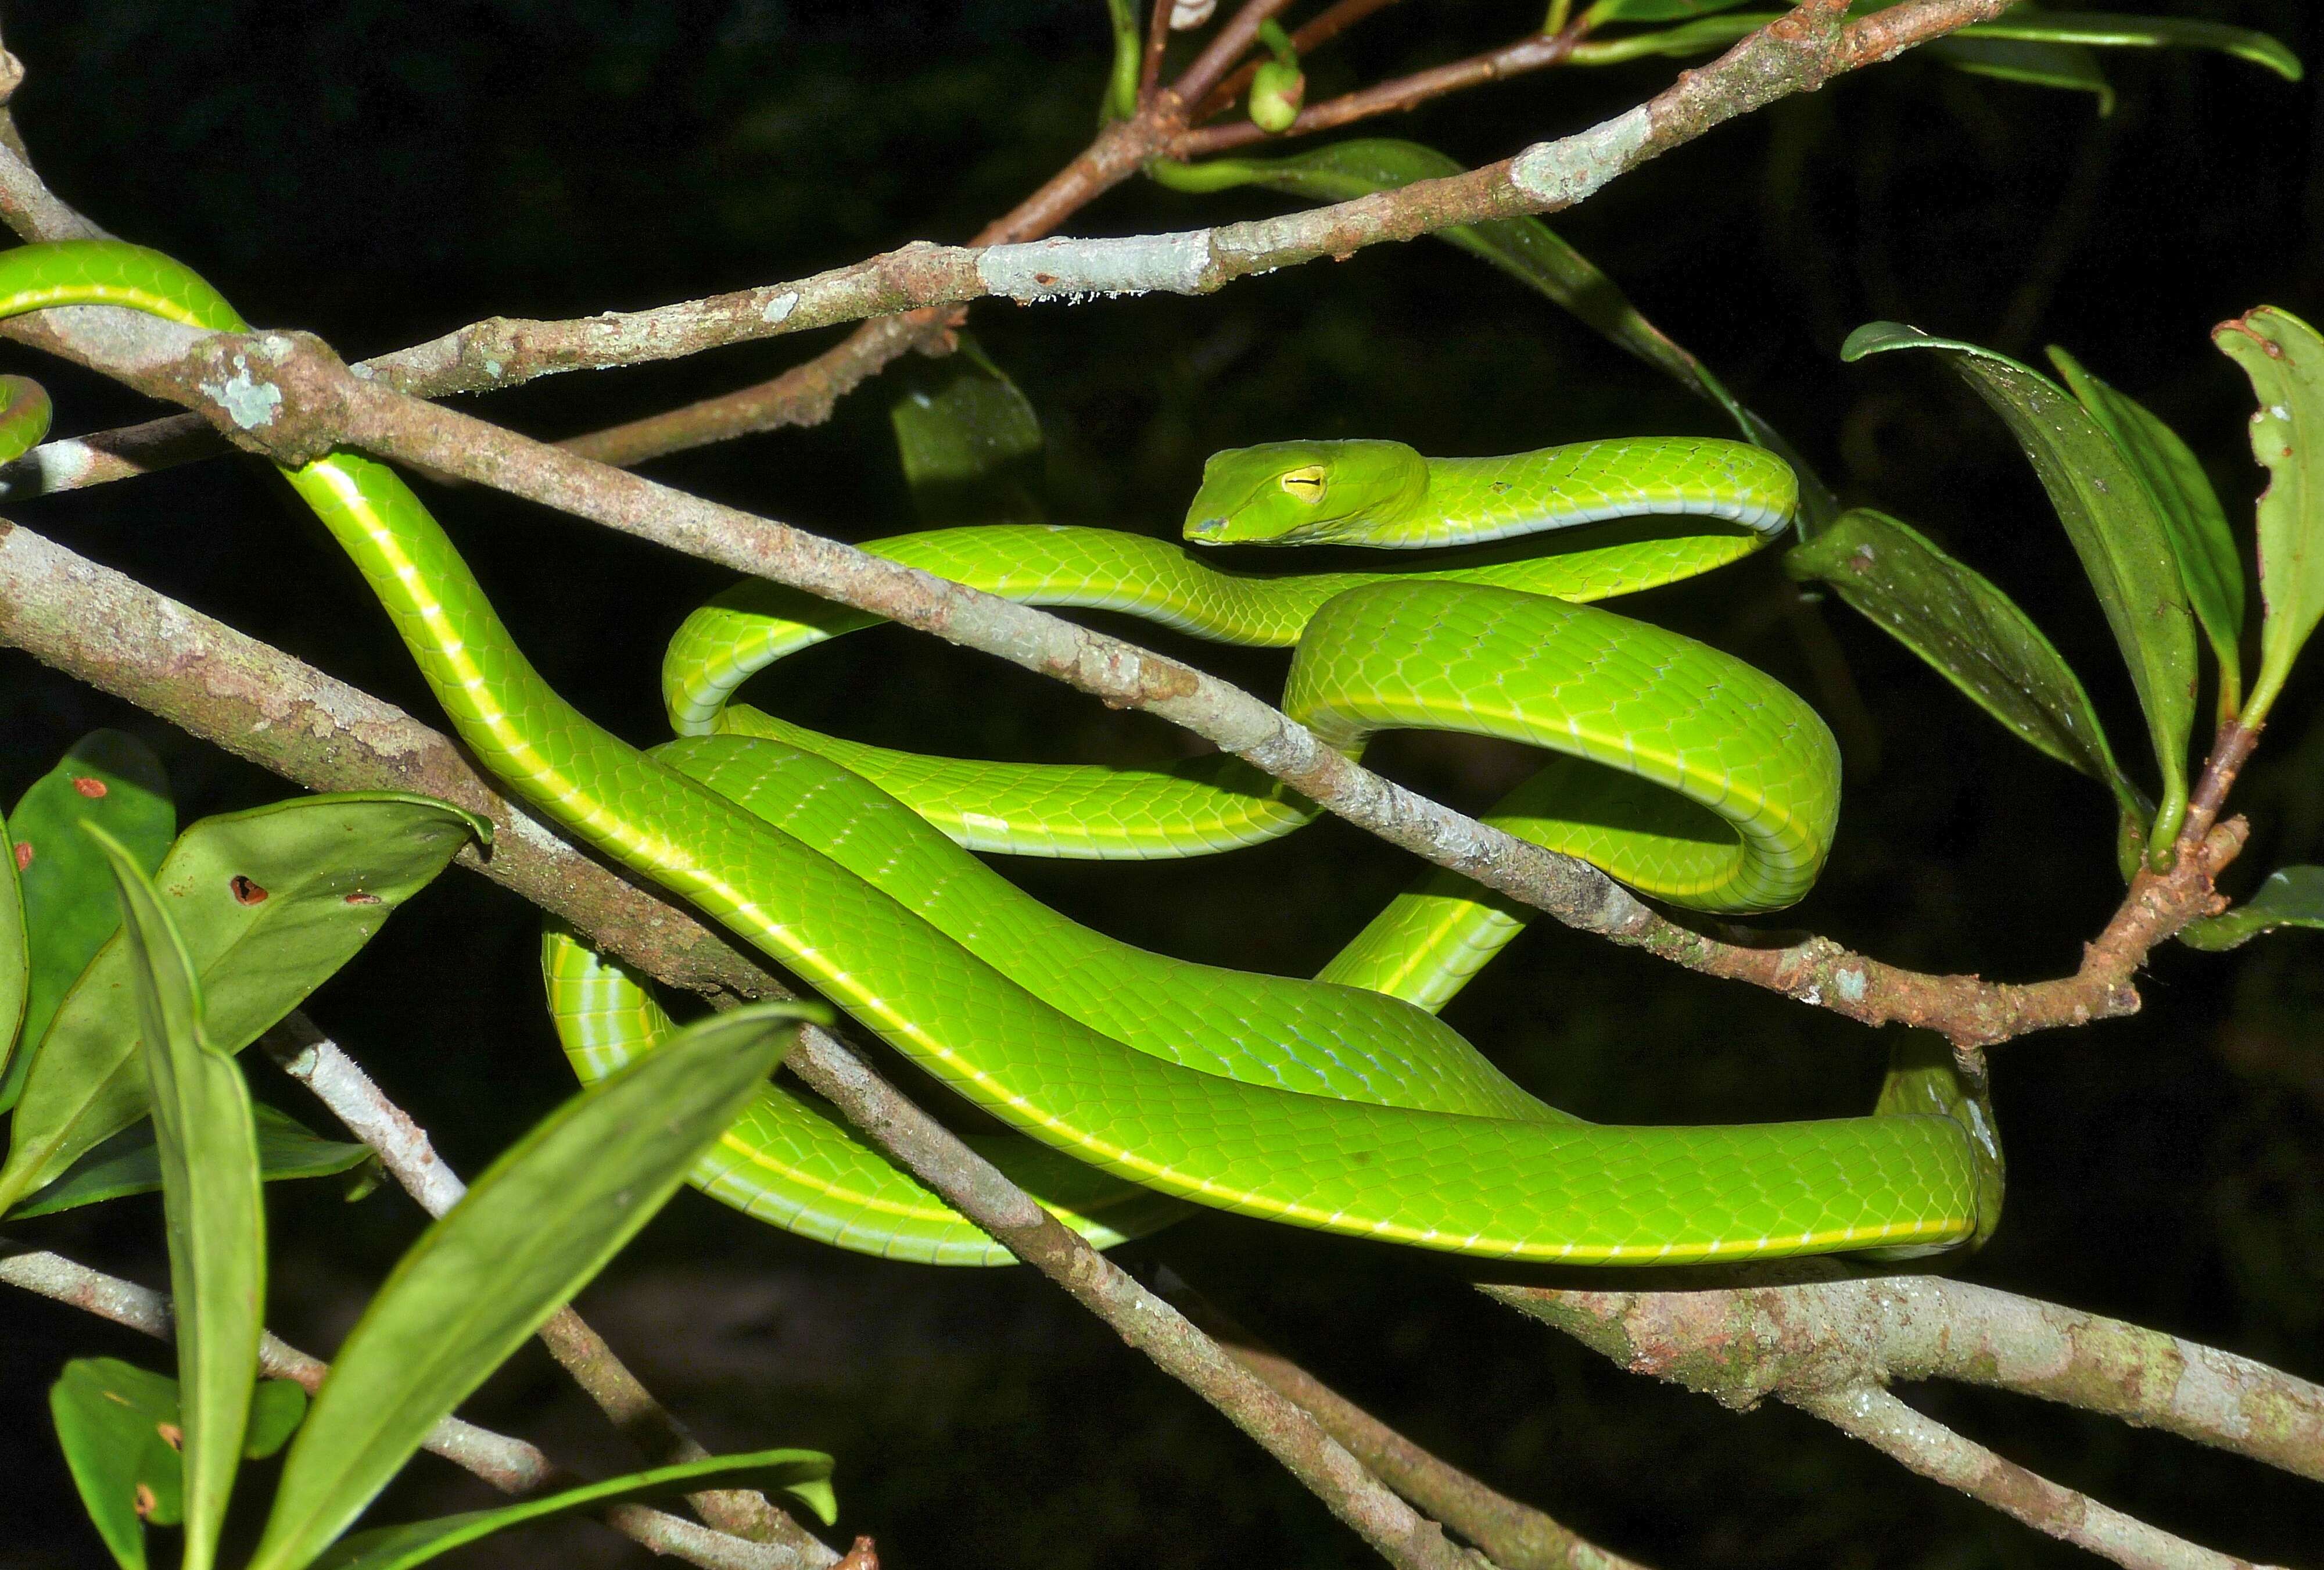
{"x": 2202, "y": 544}
{"x": 2284, "y": 358}
{"x": 128, "y": 1163}
{"x": 1974, "y": 636}
{"x": 270, "y": 903}
{"x": 2116, "y": 529}
{"x": 543, "y": 1220}
{"x": 108, "y": 778}
{"x": 2291, "y": 897}
{"x": 212, "y": 1203}
{"x": 803, "y": 1474}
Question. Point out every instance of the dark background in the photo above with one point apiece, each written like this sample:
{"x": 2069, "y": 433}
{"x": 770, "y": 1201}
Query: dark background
{"x": 380, "y": 172}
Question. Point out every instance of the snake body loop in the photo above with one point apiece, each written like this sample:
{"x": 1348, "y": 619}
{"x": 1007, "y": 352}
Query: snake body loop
{"x": 1136, "y": 1081}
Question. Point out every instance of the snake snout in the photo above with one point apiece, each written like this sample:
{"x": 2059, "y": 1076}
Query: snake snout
{"x": 1205, "y": 528}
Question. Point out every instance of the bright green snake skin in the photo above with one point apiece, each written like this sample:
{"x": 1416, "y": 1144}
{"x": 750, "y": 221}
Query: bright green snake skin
{"x": 1325, "y": 1105}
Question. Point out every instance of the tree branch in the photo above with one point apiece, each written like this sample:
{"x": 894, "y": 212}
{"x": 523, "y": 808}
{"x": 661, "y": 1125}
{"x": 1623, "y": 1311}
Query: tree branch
{"x": 103, "y": 628}
{"x": 510, "y": 1465}
{"x": 1832, "y": 1346}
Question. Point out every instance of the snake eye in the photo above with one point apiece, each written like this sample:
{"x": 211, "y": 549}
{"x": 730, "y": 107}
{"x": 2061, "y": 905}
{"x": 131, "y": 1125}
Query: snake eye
{"x": 1307, "y": 483}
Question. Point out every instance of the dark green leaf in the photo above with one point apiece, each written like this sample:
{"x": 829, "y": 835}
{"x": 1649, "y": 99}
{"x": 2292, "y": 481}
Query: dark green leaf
{"x": 2116, "y": 529}
{"x": 2285, "y": 359}
{"x": 127, "y": 1163}
{"x": 211, "y": 1200}
{"x": 2200, "y": 541}
{"x": 1975, "y": 636}
{"x": 2112, "y": 32}
{"x": 117, "y": 1424}
{"x": 108, "y": 778}
{"x": 270, "y": 903}
{"x": 1526, "y": 249}
{"x": 802, "y": 1474}
{"x": 277, "y": 1407}
{"x": 538, "y": 1225}
{"x": 2292, "y": 897}
{"x": 970, "y": 441}
{"x": 16, "y": 961}
{"x": 2071, "y": 67}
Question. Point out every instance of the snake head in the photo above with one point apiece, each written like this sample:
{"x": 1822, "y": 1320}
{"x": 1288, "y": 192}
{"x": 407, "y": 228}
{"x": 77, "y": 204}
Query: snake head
{"x": 1303, "y": 493}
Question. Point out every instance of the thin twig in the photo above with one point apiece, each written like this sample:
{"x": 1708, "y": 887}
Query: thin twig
{"x": 103, "y": 628}
{"x": 510, "y": 1465}
{"x": 1934, "y": 1451}
{"x": 1534, "y": 51}
{"x": 1514, "y": 1536}
{"x": 1326, "y": 26}
{"x": 404, "y": 1149}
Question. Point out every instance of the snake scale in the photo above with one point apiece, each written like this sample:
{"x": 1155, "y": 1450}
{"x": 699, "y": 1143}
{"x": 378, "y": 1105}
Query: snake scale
{"x": 1133, "y": 1083}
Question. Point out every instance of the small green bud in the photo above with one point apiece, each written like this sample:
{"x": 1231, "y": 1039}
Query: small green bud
{"x": 1277, "y": 91}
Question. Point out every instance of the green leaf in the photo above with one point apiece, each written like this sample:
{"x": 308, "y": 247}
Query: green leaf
{"x": 270, "y": 903}
{"x": 108, "y": 778}
{"x": 1607, "y": 12}
{"x": 970, "y": 441}
{"x": 2116, "y": 529}
{"x": 277, "y": 1407}
{"x": 538, "y": 1225}
{"x": 2071, "y": 67}
{"x": 2108, "y": 30}
{"x": 211, "y": 1200}
{"x": 127, "y": 1163}
{"x": 1526, "y": 249}
{"x": 2292, "y": 897}
{"x": 117, "y": 1424}
{"x": 802, "y": 1474}
{"x": 2063, "y": 28}
{"x": 1128, "y": 53}
{"x": 119, "y": 1428}
{"x": 15, "y": 960}
{"x": 1975, "y": 635}
{"x": 2200, "y": 541}
{"x": 2285, "y": 359}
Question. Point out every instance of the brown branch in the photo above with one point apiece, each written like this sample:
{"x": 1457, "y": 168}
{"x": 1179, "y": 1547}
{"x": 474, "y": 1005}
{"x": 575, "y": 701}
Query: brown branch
{"x": 510, "y": 1465}
{"x": 103, "y": 628}
{"x": 1157, "y": 42}
{"x": 1227, "y": 46}
{"x": 1534, "y": 51}
{"x": 405, "y": 1150}
{"x": 1514, "y": 1536}
{"x": 1927, "y": 1446}
{"x": 1328, "y": 24}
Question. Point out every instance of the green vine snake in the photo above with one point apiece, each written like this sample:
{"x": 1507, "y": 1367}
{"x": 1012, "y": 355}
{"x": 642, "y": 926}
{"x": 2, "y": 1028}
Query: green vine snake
{"x": 1134, "y": 1083}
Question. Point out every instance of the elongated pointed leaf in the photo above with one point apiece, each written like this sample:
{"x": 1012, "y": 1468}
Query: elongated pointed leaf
{"x": 2197, "y": 525}
{"x": 2291, "y": 897}
{"x": 1606, "y": 12}
{"x": 544, "y": 1219}
{"x": 270, "y": 903}
{"x": 108, "y": 778}
{"x": 2285, "y": 359}
{"x": 117, "y": 1424}
{"x": 803, "y": 1474}
{"x": 211, "y": 1200}
{"x": 2067, "y": 67}
{"x": 2116, "y": 529}
{"x": 2096, "y": 29}
{"x": 2107, "y": 30}
{"x": 970, "y": 441}
{"x": 128, "y": 1163}
{"x": 15, "y": 962}
{"x": 1972, "y": 634}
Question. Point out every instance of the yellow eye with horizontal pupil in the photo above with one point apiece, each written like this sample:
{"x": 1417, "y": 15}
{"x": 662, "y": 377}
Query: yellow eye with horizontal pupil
{"x": 1307, "y": 483}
